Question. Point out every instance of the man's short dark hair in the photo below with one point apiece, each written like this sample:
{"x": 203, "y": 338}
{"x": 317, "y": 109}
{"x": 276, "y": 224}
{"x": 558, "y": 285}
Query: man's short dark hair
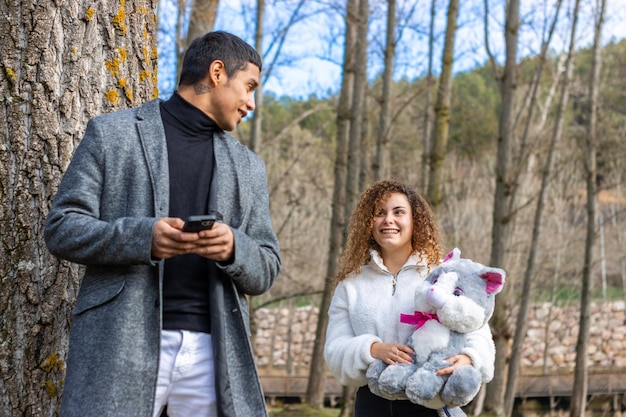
{"x": 233, "y": 51}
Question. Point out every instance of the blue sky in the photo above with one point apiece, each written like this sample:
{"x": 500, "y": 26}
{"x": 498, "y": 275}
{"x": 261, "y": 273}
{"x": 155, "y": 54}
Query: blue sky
{"x": 310, "y": 59}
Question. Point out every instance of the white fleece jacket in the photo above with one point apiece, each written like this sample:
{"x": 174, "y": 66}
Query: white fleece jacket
{"x": 365, "y": 309}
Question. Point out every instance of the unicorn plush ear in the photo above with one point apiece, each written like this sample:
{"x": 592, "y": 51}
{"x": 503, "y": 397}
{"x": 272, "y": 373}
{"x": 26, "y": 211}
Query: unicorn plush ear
{"x": 453, "y": 255}
{"x": 495, "y": 279}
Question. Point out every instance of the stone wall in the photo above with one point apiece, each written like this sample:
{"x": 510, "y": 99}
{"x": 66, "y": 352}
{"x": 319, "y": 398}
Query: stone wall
{"x": 559, "y": 326}
{"x": 284, "y": 338}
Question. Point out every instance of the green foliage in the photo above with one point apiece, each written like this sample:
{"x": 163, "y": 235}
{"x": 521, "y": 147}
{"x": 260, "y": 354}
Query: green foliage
{"x": 612, "y": 123}
{"x": 568, "y": 295}
{"x": 279, "y": 112}
{"x": 474, "y": 119}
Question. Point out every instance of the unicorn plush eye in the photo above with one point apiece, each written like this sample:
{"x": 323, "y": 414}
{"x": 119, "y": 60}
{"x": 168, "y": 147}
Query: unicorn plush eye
{"x": 457, "y": 292}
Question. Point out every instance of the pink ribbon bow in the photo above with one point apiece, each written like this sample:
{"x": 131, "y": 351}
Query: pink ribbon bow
{"x": 418, "y": 319}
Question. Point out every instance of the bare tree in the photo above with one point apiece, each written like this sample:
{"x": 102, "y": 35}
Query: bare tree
{"x": 61, "y": 64}
{"x": 274, "y": 49}
{"x": 621, "y": 243}
{"x": 533, "y": 97}
{"x": 384, "y": 123}
{"x": 579, "y": 391}
{"x": 356, "y": 140}
{"x": 180, "y": 41}
{"x": 358, "y": 107}
{"x": 317, "y": 374}
{"x": 427, "y": 105}
{"x": 442, "y": 111}
{"x": 502, "y": 216}
{"x": 520, "y": 328}
{"x": 255, "y": 137}
{"x": 201, "y": 18}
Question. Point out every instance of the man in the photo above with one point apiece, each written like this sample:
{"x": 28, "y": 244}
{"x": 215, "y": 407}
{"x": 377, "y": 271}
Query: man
{"x": 161, "y": 318}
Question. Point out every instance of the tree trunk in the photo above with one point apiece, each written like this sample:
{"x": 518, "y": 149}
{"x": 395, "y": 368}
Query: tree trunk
{"x": 317, "y": 374}
{"x": 427, "y": 106}
{"x": 201, "y": 21}
{"x": 62, "y": 63}
{"x": 347, "y": 406}
{"x": 579, "y": 391}
{"x": 276, "y": 44}
{"x": 201, "y": 18}
{"x": 356, "y": 125}
{"x": 442, "y": 111}
{"x": 255, "y": 137}
{"x": 181, "y": 44}
{"x": 621, "y": 243}
{"x": 502, "y": 218}
{"x": 520, "y": 327}
{"x": 384, "y": 124}
{"x": 522, "y": 159}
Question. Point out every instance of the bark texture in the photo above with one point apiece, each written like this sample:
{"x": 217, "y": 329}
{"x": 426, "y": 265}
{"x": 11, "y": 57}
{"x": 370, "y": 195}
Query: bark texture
{"x": 61, "y": 63}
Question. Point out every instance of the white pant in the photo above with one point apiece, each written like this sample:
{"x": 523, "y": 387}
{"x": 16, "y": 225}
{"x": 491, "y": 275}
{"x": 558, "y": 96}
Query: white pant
{"x": 186, "y": 382}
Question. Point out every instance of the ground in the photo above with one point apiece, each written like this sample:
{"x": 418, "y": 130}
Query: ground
{"x": 302, "y": 410}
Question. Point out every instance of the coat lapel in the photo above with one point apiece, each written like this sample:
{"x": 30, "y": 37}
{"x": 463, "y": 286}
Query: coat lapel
{"x": 152, "y": 137}
{"x": 229, "y": 173}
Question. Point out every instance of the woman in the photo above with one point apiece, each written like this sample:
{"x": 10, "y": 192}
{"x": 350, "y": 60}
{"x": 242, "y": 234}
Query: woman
{"x": 393, "y": 242}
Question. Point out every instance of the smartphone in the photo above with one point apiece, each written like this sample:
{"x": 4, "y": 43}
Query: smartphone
{"x": 197, "y": 223}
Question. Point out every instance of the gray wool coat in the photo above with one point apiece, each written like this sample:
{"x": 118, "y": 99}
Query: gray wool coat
{"x": 113, "y": 192}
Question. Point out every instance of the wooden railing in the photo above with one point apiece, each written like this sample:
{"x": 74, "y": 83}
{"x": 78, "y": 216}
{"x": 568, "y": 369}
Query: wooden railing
{"x": 555, "y": 385}
{"x": 551, "y": 385}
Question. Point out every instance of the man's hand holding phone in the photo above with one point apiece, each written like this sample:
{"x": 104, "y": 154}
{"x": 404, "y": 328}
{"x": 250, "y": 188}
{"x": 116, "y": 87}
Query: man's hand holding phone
{"x": 196, "y": 224}
{"x": 216, "y": 239}
{"x": 202, "y": 235}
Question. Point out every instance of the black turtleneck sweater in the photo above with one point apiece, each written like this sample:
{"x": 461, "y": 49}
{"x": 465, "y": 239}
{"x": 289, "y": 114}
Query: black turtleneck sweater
{"x": 189, "y": 135}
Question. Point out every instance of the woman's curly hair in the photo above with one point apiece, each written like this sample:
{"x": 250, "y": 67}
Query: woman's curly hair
{"x": 426, "y": 236}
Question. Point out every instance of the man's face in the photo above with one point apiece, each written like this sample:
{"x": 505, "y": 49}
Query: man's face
{"x": 233, "y": 98}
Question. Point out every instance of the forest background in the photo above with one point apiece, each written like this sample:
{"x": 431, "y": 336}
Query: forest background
{"x": 509, "y": 116}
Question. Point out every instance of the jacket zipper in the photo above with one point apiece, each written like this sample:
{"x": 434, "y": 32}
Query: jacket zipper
{"x": 394, "y": 279}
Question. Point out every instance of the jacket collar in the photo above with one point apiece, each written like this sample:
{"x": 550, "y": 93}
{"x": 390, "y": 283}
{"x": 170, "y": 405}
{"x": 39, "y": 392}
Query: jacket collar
{"x": 417, "y": 259}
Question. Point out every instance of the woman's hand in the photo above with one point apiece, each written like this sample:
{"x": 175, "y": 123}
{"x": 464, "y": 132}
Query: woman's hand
{"x": 456, "y": 361}
{"x": 391, "y": 353}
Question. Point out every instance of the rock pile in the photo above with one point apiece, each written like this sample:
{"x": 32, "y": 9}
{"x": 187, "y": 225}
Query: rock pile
{"x": 558, "y": 326}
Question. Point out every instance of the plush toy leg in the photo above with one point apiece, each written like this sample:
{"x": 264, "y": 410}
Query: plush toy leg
{"x": 423, "y": 385}
{"x": 392, "y": 380}
{"x": 462, "y": 386}
{"x": 372, "y": 375}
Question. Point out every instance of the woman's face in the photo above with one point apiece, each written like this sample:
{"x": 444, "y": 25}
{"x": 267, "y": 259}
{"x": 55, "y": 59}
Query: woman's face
{"x": 393, "y": 224}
